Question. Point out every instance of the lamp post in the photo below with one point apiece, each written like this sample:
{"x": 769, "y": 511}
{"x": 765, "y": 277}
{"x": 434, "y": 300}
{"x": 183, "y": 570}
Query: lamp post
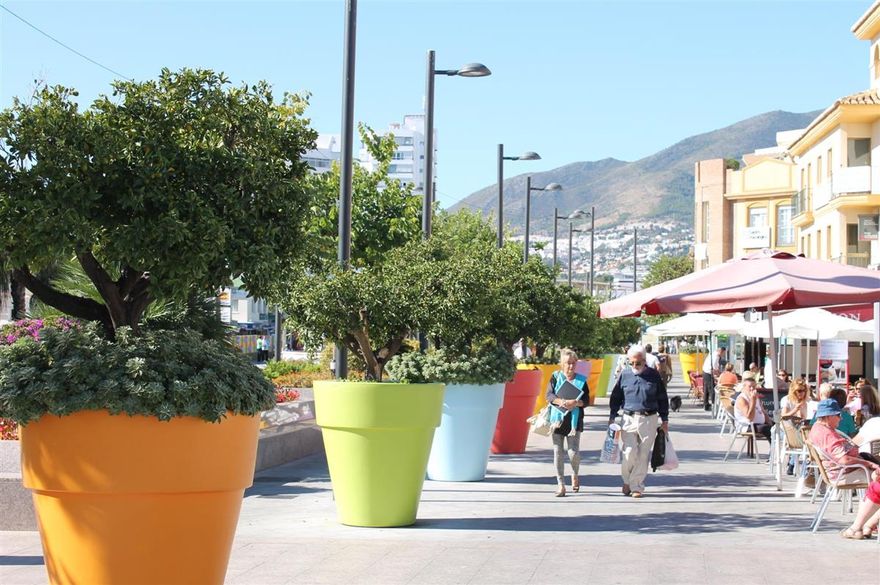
{"x": 635, "y": 259}
{"x": 528, "y": 155}
{"x": 469, "y": 70}
{"x": 592, "y": 214}
{"x": 529, "y": 189}
{"x": 556, "y": 217}
{"x": 347, "y": 157}
{"x": 571, "y": 232}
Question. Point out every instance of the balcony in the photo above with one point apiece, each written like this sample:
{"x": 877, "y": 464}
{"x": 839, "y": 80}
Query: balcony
{"x": 801, "y": 201}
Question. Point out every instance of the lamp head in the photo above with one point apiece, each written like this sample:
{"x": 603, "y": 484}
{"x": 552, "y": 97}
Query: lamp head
{"x": 553, "y": 187}
{"x": 529, "y": 155}
{"x": 578, "y": 214}
{"x": 474, "y": 70}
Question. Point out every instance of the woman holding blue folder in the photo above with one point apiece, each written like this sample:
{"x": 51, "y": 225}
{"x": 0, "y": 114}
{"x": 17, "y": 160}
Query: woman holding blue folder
{"x": 568, "y": 393}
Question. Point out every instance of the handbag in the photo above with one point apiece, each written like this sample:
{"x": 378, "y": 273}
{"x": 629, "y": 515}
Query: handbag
{"x": 658, "y": 453}
{"x": 540, "y": 422}
{"x": 671, "y": 458}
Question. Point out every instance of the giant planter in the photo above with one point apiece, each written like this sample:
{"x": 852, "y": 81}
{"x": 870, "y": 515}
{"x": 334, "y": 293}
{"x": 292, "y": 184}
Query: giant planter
{"x": 377, "y": 437}
{"x": 594, "y": 380}
{"x": 130, "y": 499}
{"x": 460, "y": 451}
{"x": 512, "y": 430}
{"x": 608, "y": 364}
{"x": 546, "y": 372}
{"x": 690, "y": 361}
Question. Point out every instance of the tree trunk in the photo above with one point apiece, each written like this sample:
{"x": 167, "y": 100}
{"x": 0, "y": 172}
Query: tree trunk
{"x": 18, "y": 291}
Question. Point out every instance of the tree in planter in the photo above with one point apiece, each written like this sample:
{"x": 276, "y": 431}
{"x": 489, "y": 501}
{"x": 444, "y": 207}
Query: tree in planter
{"x": 165, "y": 192}
{"x": 385, "y": 212}
{"x": 175, "y": 185}
{"x": 370, "y": 311}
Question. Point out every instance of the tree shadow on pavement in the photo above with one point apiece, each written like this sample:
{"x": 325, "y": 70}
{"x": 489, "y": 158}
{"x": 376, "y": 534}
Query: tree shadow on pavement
{"x": 658, "y": 523}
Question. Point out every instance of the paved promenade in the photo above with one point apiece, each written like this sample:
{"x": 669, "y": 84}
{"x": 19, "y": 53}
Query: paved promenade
{"x": 707, "y": 522}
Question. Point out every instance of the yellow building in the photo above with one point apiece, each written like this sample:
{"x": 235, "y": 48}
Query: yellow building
{"x": 838, "y": 169}
{"x": 738, "y": 211}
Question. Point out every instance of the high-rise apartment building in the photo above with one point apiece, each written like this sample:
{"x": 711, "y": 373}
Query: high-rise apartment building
{"x": 408, "y": 162}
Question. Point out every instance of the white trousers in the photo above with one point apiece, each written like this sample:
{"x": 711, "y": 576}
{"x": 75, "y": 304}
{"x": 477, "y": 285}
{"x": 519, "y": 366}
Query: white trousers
{"x": 638, "y": 434}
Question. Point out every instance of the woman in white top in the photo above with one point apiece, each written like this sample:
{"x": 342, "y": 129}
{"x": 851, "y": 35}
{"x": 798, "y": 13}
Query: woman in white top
{"x": 749, "y": 410}
{"x": 795, "y": 404}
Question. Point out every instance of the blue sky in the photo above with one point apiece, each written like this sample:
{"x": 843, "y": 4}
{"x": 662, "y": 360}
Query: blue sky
{"x": 572, "y": 80}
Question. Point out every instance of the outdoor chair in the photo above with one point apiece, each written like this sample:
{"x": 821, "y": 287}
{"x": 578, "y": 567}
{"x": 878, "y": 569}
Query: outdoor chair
{"x": 845, "y": 486}
{"x": 750, "y": 439}
{"x": 793, "y": 446}
{"x": 722, "y": 391}
{"x": 696, "y": 386}
{"x": 727, "y": 417}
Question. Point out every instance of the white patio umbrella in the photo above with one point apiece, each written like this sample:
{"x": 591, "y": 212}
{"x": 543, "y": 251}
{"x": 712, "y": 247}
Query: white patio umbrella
{"x": 812, "y": 323}
{"x": 699, "y": 324}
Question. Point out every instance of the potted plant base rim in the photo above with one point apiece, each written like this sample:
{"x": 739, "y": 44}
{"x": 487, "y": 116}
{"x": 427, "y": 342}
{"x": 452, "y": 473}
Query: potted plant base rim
{"x": 131, "y": 499}
{"x": 512, "y": 430}
{"x": 460, "y": 451}
{"x": 377, "y": 437}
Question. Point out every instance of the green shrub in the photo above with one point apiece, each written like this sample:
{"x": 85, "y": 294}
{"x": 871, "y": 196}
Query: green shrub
{"x": 300, "y": 379}
{"x": 489, "y": 366}
{"x": 159, "y": 373}
{"x": 277, "y": 368}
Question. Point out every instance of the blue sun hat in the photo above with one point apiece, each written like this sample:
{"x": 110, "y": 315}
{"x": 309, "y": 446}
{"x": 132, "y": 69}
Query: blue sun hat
{"x": 828, "y": 407}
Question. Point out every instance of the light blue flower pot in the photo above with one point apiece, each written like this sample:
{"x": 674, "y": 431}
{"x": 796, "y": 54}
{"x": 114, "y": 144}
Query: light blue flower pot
{"x": 460, "y": 451}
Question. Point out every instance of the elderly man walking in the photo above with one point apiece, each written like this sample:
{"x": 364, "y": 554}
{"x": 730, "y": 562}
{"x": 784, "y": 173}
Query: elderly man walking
{"x": 641, "y": 392}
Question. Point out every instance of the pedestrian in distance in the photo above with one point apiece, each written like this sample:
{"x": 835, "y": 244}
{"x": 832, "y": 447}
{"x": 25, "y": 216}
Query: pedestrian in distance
{"x": 711, "y": 368}
{"x": 640, "y": 393}
{"x": 259, "y": 348}
{"x": 568, "y": 394}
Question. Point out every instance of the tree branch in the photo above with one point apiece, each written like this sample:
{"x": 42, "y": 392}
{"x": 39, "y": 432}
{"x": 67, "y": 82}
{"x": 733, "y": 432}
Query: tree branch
{"x": 107, "y": 288}
{"x": 79, "y": 307}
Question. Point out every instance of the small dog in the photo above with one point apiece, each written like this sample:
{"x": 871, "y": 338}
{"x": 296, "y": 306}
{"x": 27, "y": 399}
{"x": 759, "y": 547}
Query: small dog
{"x": 675, "y": 403}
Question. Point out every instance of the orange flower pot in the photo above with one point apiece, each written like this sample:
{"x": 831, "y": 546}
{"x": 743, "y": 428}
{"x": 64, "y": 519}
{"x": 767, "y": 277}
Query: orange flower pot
{"x": 130, "y": 499}
{"x": 511, "y": 429}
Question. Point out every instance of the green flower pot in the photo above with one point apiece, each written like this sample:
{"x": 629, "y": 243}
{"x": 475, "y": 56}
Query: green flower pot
{"x": 377, "y": 437}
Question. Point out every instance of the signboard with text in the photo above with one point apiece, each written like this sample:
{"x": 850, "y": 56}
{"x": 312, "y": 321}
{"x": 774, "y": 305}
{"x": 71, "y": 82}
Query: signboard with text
{"x": 755, "y": 237}
{"x": 868, "y": 227}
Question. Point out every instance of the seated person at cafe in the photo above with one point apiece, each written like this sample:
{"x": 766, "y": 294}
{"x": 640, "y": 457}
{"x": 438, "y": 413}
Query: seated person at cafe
{"x": 749, "y": 410}
{"x": 782, "y": 381}
{"x": 728, "y": 377}
{"x": 838, "y": 451}
{"x": 847, "y": 424}
{"x": 794, "y": 405}
{"x": 868, "y": 433}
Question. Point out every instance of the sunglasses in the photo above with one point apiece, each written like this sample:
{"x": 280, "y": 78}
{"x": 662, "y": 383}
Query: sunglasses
{"x": 636, "y": 362}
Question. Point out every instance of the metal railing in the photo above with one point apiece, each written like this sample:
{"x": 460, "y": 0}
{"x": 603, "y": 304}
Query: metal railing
{"x": 860, "y": 259}
{"x": 801, "y": 200}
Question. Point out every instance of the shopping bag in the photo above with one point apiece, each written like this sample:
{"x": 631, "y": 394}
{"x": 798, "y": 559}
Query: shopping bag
{"x": 671, "y": 459}
{"x": 611, "y": 449}
{"x": 540, "y": 422}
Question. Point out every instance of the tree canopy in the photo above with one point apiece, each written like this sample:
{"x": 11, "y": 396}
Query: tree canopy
{"x": 168, "y": 186}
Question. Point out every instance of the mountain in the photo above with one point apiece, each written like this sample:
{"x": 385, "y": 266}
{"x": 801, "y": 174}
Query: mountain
{"x": 659, "y": 186}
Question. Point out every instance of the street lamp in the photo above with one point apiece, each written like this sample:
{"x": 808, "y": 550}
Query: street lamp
{"x": 556, "y": 217}
{"x": 469, "y": 70}
{"x": 571, "y": 232}
{"x": 529, "y": 189}
{"x": 592, "y": 214}
{"x": 347, "y": 159}
{"x": 528, "y": 155}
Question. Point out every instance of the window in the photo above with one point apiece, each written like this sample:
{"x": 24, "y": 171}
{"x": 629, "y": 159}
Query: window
{"x": 828, "y": 243}
{"x": 858, "y": 152}
{"x": 828, "y": 159}
{"x": 400, "y": 169}
{"x": 757, "y": 216}
{"x": 818, "y": 244}
{"x": 400, "y": 155}
{"x": 803, "y": 180}
{"x": 784, "y": 229}
{"x": 819, "y": 170}
{"x": 705, "y": 221}
{"x": 403, "y": 140}
{"x": 808, "y": 250}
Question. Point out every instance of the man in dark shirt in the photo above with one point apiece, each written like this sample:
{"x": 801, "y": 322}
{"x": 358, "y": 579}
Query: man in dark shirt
{"x": 641, "y": 393}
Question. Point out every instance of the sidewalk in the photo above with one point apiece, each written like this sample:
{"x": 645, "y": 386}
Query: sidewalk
{"x": 707, "y": 522}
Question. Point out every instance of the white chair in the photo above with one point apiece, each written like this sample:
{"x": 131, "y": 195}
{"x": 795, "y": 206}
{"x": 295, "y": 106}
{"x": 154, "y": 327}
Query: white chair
{"x": 749, "y": 435}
